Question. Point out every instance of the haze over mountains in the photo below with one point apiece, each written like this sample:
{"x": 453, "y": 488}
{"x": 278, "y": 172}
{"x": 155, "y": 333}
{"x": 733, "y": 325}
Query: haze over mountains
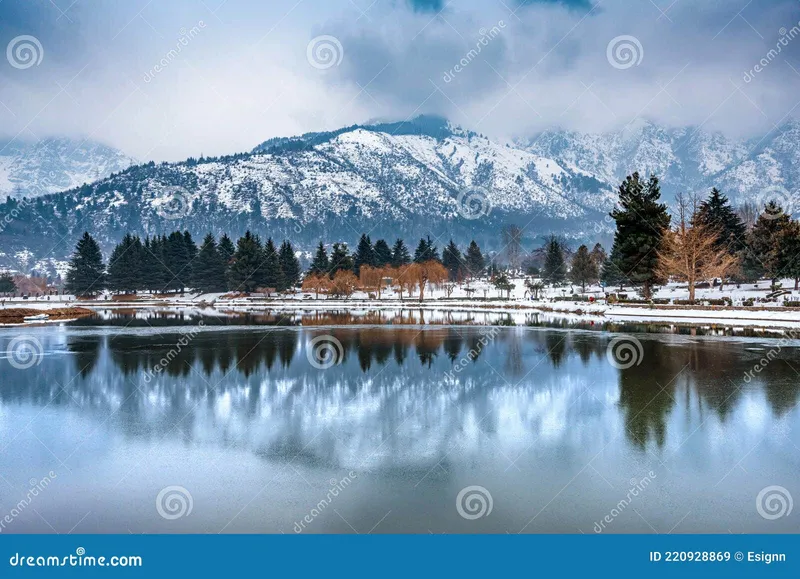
{"x": 390, "y": 179}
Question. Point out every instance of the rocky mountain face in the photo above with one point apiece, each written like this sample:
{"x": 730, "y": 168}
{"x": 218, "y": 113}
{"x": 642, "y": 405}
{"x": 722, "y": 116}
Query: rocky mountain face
{"x": 405, "y": 179}
{"x": 686, "y": 159}
{"x": 52, "y": 165}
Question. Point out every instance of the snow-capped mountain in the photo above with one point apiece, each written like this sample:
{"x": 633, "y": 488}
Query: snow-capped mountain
{"x": 687, "y": 159}
{"x": 409, "y": 179}
{"x": 33, "y": 169}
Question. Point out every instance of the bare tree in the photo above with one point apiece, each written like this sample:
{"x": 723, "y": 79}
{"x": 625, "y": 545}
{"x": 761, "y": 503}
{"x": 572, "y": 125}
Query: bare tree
{"x": 691, "y": 251}
{"x": 748, "y": 212}
{"x": 512, "y": 241}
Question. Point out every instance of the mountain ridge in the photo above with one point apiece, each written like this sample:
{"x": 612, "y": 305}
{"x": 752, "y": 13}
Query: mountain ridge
{"x": 408, "y": 178}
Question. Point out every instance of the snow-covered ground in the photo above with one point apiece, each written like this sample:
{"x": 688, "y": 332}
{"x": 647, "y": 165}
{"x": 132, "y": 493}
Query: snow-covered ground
{"x": 481, "y": 296}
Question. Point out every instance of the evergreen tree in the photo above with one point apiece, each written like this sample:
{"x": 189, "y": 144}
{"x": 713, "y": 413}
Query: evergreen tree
{"x": 364, "y": 255}
{"x": 226, "y": 249}
{"x": 453, "y": 261}
{"x": 641, "y": 223}
{"x": 177, "y": 261}
{"x": 156, "y": 273}
{"x": 766, "y": 252}
{"x": 400, "y": 254}
{"x": 610, "y": 273}
{"x": 555, "y": 267}
{"x": 272, "y": 273}
{"x": 584, "y": 268}
{"x": 340, "y": 259}
{"x": 209, "y": 268}
{"x": 598, "y": 255}
{"x": 125, "y": 266}
{"x": 320, "y": 264}
{"x": 246, "y": 272}
{"x": 716, "y": 212}
{"x": 383, "y": 254}
{"x": 426, "y": 251}
{"x": 7, "y": 284}
{"x": 86, "y": 275}
{"x": 290, "y": 266}
{"x": 474, "y": 260}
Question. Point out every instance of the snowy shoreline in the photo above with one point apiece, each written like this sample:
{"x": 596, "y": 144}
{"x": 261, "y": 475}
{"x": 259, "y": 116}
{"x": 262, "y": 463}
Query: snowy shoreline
{"x": 768, "y": 317}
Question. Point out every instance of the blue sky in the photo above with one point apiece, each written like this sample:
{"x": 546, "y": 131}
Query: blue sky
{"x": 243, "y": 73}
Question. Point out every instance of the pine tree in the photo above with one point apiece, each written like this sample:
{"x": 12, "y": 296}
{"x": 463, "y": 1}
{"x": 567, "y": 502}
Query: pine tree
{"x": 453, "y": 261}
{"x": 340, "y": 259}
{"x": 610, "y": 272}
{"x": 246, "y": 272}
{"x": 716, "y": 212}
{"x": 209, "y": 268}
{"x": 766, "y": 250}
{"x": 272, "y": 273}
{"x": 7, "y": 284}
{"x": 555, "y": 267}
{"x": 86, "y": 275}
{"x": 364, "y": 255}
{"x": 226, "y": 249}
{"x": 474, "y": 260}
{"x": 125, "y": 266}
{"x": 383, "y": 254}
{"x": 290, "y": 266}
{"x": 598, "y": 255}
{"x": 400, "y": 254}
{"x": 426, "y": 251}
{"x": 320, "y": 264}
{"x": 641, "y": 223}
{"x": 177, "y": 262}
{"x": 584, "y": 268}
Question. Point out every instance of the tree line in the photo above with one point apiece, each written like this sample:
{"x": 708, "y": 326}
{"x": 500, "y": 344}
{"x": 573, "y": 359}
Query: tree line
{"x": 707, "y": 240}
{"x": 174, "y": 262}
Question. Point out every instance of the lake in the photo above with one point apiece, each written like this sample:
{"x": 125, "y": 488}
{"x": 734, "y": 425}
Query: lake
{"x": 135, "y": 423}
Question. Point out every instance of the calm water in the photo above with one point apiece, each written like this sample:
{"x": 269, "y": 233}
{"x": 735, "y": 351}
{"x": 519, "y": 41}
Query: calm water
{"x": 260, "y": 434}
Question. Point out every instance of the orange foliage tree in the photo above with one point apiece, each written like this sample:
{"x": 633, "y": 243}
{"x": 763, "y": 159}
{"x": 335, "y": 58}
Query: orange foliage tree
{"x": 317, "y": 283}
{"x": 344, "y": 283}
{"x": 372, "y": 278}
{"x": 427, "y": 272}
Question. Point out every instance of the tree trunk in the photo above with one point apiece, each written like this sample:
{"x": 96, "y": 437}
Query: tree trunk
{"x": 797, "y": 283}
{"x": 421, "y": 290}
{"x": 691, "y": 291}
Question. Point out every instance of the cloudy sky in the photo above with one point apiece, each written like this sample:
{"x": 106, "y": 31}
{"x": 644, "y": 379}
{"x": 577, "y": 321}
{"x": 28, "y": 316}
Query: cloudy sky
{"x": 166, "y": 80}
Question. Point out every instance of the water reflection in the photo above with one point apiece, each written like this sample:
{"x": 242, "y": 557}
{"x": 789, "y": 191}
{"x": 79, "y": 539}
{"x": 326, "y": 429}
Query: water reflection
{"x": 378, "y": 368}
{"x": 424, "y": 407}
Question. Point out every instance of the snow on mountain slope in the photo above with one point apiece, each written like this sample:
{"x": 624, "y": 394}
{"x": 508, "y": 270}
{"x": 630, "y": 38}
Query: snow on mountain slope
{"x": 384, "y": 179}
{"x": 53, "y": 165}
